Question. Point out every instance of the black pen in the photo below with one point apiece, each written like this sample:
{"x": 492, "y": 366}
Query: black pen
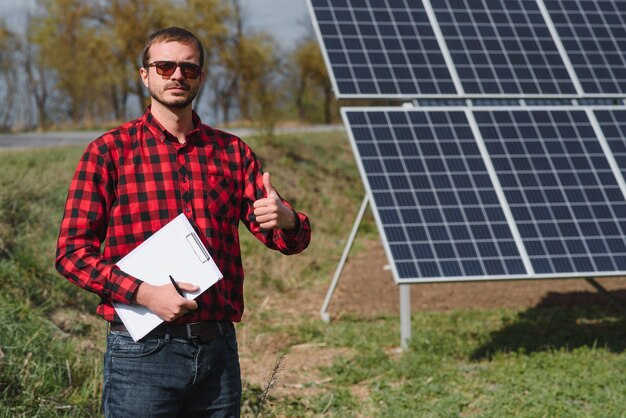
{"x": 180, "y": 292}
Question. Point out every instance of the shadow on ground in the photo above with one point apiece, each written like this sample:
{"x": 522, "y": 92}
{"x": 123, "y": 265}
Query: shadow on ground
{"x": 562, "y": 321}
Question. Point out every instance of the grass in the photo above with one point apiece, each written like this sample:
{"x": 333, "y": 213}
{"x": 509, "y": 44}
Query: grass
{"x": 542, "y": 361}
{"x": 446, "y": 373}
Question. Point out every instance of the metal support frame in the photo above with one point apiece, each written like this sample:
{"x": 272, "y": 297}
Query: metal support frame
{"x": 355, "y": 228}
{"x": 606, "y": 293}
{"x": 405, "y": 315}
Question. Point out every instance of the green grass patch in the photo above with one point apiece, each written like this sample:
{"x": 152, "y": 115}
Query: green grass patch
{"x": 44, "y": 372}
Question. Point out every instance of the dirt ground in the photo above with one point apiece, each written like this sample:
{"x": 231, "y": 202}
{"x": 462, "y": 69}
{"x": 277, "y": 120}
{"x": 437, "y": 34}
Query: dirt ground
{"x": 366, "y": 289}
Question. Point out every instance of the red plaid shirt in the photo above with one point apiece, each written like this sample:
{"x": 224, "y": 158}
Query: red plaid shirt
{"x": 133, "y": 180}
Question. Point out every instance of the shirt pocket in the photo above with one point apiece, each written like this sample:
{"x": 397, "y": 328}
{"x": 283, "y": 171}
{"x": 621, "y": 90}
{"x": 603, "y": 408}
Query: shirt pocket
{"x": 221, "y": 197}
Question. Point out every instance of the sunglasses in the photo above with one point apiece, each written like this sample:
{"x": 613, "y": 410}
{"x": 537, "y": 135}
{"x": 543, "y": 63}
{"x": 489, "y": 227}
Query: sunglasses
{"x": 167, "y": 68}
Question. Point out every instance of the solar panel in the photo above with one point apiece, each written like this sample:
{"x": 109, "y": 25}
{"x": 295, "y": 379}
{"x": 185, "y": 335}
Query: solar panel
{"x": 565, "y": 199}
{"x": 381, "y": 48}
{"x": 502, "y": 47}
{"x": 433, "y": 197}
{"x": 594, "y": 35}
{"x": 490, "y": 193}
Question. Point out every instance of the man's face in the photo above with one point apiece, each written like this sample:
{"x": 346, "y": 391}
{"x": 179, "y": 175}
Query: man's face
{"x": 174, "y": 91}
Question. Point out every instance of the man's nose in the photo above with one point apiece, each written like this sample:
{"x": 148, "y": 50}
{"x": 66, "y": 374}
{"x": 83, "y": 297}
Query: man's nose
{"x": 177, "y": 74}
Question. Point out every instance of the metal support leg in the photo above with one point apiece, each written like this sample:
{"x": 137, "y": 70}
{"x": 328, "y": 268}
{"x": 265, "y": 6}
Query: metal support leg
{"x": 355, "y": 228}
{"x": 606, "y": 293}
{"x": 405, "y": 315}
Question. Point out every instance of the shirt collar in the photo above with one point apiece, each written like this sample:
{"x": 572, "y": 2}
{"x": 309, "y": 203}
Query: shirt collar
{"x": 162, "y": 134}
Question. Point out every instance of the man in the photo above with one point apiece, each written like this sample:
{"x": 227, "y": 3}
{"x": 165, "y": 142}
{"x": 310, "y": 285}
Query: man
{"x": 132, "y": 181}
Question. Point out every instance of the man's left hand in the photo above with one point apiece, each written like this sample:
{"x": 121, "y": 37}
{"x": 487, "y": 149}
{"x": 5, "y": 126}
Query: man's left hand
{"x": 271, "y": 212}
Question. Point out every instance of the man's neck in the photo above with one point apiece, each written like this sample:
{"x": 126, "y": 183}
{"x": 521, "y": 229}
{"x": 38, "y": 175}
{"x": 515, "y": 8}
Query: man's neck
{"x": 178, "y": 122}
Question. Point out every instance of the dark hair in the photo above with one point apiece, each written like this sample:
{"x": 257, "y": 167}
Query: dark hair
{"x": 172, "y": 34}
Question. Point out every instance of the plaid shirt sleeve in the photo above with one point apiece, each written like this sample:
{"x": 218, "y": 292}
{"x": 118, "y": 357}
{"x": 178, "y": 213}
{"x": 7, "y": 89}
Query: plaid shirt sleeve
{"x": 83, "y": 229}
{"x": 286, "y": 241}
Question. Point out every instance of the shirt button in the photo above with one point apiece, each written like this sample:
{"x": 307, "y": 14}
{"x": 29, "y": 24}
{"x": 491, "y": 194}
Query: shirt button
{"x": 184, "y": 179}
{"x": 187, "y": 209}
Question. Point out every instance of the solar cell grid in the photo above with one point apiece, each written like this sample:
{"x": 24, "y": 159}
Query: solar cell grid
{"x": 439, "y": 212}
{"x": 594, "y": 35}
{"x": 566, "y": 202}
{"x": 502, "y": 47}
{"x": 382, "y": 48}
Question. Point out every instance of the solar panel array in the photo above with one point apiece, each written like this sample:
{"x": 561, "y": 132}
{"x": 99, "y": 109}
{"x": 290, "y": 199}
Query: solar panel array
{"x": 470, "y": 48}
{"x": 540, "y": 200}
{"x": 500, "y": 192}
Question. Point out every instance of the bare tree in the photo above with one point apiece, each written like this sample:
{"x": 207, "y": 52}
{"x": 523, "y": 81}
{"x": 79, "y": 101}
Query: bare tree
{"x": 8, "y": 84}
{"x": 225, "y": 81}
{"x": 312, "y": 83}
{"x": 37, "y": 78}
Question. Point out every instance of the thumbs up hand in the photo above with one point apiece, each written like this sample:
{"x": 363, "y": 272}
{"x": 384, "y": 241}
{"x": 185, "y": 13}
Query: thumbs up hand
{"x": 271, "y": 212}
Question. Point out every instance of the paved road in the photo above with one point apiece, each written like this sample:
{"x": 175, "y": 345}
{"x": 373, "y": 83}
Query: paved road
{"x": 53, "y": 139}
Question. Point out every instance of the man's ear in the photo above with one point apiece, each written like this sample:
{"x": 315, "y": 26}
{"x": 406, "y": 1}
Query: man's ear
{"x": 144, "y": 76}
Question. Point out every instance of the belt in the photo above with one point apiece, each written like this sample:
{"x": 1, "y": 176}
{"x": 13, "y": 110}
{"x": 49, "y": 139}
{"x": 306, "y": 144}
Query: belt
{"x": 203, "y": 331}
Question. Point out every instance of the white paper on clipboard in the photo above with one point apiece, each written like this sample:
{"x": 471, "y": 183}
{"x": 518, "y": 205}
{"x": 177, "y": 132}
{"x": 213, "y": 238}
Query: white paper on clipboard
{"x": 174, "y": 250}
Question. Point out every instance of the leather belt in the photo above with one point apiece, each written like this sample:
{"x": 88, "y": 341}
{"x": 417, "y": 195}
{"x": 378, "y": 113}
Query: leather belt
{"x": 203, "y": 331}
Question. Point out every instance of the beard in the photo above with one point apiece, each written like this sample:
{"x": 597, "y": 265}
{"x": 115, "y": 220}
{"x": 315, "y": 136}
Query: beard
{"x": 178, "y": 101}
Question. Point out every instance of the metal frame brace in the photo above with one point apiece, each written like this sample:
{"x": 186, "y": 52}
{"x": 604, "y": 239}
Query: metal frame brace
{"x": 342, "y": 262}
{"x": 405, "y": 290}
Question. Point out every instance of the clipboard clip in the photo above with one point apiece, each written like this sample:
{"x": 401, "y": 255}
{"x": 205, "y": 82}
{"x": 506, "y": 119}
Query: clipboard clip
{"x": 198, "y": 248}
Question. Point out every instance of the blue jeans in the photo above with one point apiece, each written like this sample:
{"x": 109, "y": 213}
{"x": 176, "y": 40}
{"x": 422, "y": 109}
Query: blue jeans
{"x": 163, "y": 377}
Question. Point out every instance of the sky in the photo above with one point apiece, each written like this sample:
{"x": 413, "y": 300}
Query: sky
{"x": 287, "y": 20}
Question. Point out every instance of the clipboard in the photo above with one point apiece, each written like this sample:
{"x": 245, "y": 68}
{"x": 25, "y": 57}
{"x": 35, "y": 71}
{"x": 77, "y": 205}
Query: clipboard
{"x": 174, "y": 250}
